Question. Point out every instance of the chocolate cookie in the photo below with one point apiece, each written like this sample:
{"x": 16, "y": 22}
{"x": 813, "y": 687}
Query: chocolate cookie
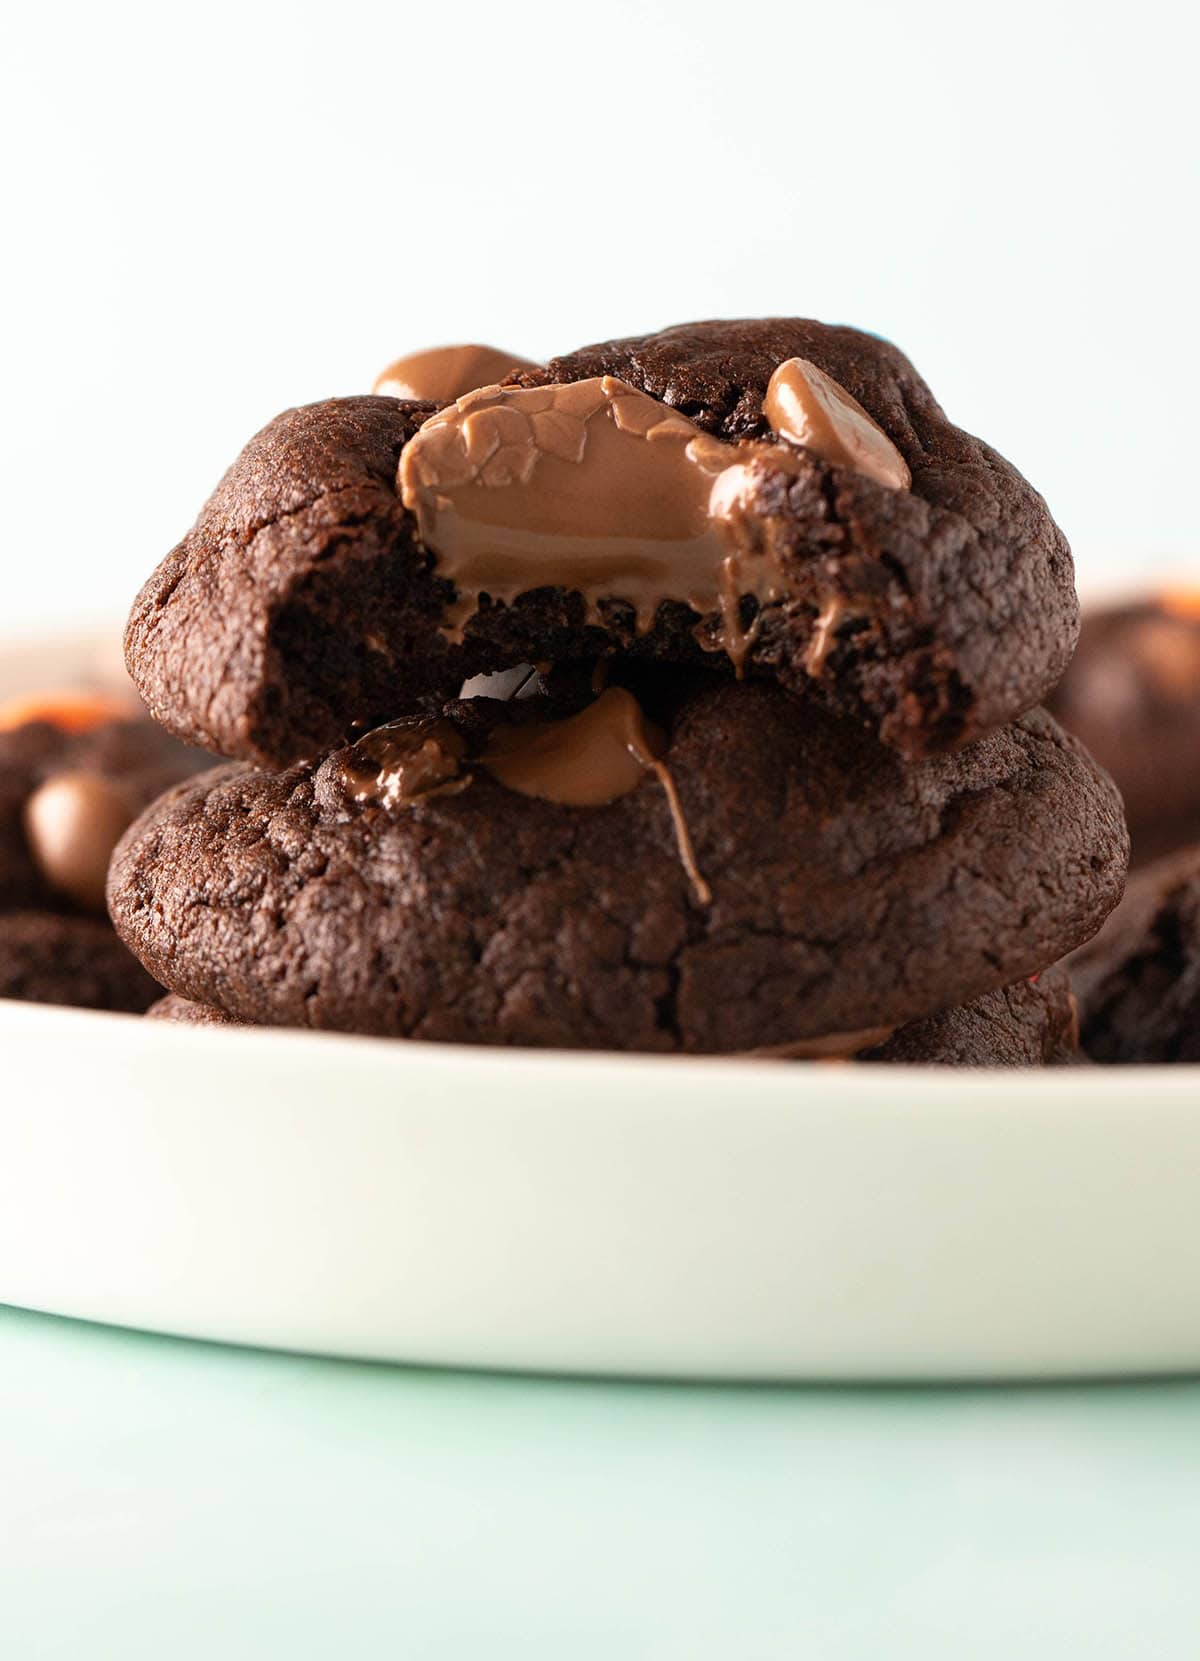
{"x": 1138, "y": 981}
{"x": 183, "y": 1010}
{"x": 49, "y": 958}
{"x": 1031, "y": 1024}
{"x": 777, "y": 496}
{"x": 762, "y": 873}
{"x": 71, "y": 780}
{"x": 1132, "y": 694}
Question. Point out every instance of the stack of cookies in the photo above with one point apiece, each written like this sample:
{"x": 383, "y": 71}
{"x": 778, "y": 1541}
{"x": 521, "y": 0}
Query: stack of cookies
{"x": 680, "y": 694}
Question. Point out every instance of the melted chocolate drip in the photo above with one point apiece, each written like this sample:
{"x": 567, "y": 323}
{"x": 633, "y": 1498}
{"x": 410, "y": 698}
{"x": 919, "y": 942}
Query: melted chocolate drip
{"x": 583, "y": 760}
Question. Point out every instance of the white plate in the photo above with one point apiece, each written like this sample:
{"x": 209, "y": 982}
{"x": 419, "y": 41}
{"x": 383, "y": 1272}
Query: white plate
{"x": 575, "y": 1212}
{"x": 598, "y": 1213}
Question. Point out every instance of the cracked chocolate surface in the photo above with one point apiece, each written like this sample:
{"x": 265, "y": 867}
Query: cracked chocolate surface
{"x": 302, "y": 603}
{"x": 849, "y": 890}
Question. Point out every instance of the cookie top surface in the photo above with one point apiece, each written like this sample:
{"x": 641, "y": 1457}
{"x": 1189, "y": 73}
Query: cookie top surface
{"x": 1132, "y": 694}
{"x": 849, "y": 890}
{"x": 1138, "y": 981}
{"x": 65, "y": 797}
{"x": 304, "y": 600}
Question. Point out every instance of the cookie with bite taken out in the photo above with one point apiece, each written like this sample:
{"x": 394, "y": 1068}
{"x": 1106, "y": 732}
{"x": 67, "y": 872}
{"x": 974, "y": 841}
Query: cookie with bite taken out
{"x": 776, "y": 498}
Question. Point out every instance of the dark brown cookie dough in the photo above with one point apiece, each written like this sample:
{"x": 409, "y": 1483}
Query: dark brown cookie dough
{"x": 76, "y": 790}
{"x": 302, "y": 602}
{"x": 184, "y": 1010}
{"x": 292, "y": 607}
{"x": 1138, "y": 981}
{"x": 850, "y": 890}
{"x": 1132, "y": 694}
{"x": 48, "y": 958}
{"x": 1031, "y": 1024}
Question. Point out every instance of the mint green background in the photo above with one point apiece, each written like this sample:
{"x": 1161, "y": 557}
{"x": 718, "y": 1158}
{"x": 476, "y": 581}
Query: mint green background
{"x": 172, "y": 1500}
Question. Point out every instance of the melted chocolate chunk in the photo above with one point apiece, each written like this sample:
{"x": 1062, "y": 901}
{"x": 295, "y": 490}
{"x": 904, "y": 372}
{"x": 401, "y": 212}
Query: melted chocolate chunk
{"x": 421, "y": 755}
{"x": 444, "y": 373}
{"x": 587, "y": 759}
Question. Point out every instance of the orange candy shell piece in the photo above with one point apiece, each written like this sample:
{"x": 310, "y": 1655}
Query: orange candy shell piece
{"x": 1181, "y": 602}
{"x": 71, "y": 709}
